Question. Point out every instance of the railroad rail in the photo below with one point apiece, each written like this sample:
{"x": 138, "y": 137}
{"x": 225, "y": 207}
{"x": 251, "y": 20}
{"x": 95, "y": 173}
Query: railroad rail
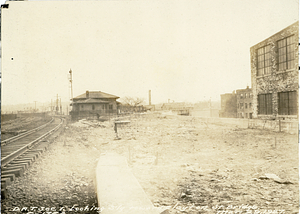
{"x": 20, "y": 151}
{"x": 4, "y": 142}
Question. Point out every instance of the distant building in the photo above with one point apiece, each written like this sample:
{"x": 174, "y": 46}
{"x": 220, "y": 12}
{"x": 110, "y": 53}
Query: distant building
{"x": 94, "y": 104}
{"x": 149, "y": 107}
{"x": 129, "y": 109}
{"x": 228, "y": 105}
{"x": 274, "y": 75}
{"x": 205, "y": 109}
{"x": 181, "y": 108}
{"x": 244, "y": 99}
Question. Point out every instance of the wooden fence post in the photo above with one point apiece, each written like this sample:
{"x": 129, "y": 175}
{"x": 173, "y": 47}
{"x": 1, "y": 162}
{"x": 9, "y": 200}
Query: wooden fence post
{"x": 279, "y": 125}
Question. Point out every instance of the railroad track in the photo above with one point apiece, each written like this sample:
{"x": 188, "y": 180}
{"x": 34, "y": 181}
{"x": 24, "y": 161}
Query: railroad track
{"x": 18, "y": 152}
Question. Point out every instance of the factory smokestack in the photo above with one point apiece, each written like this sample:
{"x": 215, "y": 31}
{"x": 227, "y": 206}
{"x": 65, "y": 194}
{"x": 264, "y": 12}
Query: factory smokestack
{"x": 149, "y": 97}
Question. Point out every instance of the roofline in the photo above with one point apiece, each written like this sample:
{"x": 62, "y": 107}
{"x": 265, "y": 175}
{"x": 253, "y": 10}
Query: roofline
{"x": 114, "y": 96}
{"x": 276, "y": 33}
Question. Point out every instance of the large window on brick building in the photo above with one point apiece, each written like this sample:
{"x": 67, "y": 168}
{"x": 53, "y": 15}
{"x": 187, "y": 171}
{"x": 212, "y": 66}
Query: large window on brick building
{"x": 287, "y": 103}
{"x": 265, "y": 104}
{"x": 286, "y": 53}
{"x": 263, "y": 61}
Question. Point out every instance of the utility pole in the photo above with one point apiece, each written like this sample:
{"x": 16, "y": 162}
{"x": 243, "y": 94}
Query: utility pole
{"x": 71, "y": 86}
{"x": 34, "y": 106}
{"x": 57, "y": 103}
{"x": 60, "y": 107}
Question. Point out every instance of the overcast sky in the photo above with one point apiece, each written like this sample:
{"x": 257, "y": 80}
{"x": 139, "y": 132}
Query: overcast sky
{"x": 180, "y": 50}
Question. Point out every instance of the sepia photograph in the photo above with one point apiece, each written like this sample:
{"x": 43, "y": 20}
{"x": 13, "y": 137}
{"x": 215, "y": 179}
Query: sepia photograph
{"x": 149, "y": 107}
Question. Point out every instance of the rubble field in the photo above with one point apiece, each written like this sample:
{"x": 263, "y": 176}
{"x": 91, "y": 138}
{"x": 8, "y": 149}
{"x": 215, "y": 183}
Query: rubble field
{"x": 184, "y": 164}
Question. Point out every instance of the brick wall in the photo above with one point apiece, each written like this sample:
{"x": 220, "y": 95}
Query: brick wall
{"x": 245, "y": 97}
{"x": 228, "y": 105}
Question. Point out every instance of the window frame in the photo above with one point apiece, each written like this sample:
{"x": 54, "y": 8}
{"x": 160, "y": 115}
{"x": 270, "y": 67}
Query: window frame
{"x": 288, "y": 105}
{"x": 264, "y": 58}
{"x": 286, "y": 60}
{"x": 265, "y": 104}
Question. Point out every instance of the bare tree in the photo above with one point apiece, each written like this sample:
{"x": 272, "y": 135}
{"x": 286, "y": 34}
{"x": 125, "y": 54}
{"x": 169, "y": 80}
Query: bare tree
{"x": 132, "y": 101}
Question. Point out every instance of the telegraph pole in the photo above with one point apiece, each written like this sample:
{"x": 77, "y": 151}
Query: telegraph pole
{"x": 34, "y": 106}
{"x": 71, "y": 85}
{"x": 60, "y": 107}
{"x": 57, "y": 108}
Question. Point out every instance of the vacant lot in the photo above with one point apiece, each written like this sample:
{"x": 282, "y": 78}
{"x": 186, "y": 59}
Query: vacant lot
{"x": 184, "y": 163}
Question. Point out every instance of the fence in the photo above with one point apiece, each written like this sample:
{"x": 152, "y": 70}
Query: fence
{"x": 273, "y": 125}
{"x": 7, "y": 117}
{"x": 40, "y": 114}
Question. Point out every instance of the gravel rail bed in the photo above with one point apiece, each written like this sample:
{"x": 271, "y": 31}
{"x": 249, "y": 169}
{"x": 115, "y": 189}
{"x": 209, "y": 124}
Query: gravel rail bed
{"x": 62, "y": 178}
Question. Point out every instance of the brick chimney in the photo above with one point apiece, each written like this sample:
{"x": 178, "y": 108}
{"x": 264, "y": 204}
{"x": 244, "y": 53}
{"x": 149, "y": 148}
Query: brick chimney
{"x": 87, "y": 94}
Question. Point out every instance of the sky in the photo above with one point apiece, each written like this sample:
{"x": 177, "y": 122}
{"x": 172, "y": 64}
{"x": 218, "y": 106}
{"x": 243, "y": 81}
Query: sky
{"x": 185, "y": 51}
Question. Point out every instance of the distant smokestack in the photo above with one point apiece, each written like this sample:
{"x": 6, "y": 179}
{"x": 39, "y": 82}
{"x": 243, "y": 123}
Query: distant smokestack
{"x": 149, "y": 97}
{"x": 87, "y": 94}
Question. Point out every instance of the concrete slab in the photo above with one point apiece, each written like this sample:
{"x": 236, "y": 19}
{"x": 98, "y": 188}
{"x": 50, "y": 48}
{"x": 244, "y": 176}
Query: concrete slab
{"x": 118, "y": 190}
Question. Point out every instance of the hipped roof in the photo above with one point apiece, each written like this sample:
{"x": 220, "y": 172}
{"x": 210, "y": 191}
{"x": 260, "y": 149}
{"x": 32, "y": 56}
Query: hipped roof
{"x": 97, "y": 95}
{"x": 90, "y": 100}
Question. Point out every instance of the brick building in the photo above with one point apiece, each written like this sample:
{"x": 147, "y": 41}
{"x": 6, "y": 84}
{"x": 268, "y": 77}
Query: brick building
{"x": 94, "y": 104}
{"x": 228, "y": 105}
{"x": 274, "y": 75}
{"x": 244, "y": 99}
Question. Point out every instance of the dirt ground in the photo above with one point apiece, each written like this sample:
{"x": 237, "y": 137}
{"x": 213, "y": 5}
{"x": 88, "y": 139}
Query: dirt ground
{"x": 185, "y": 164}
